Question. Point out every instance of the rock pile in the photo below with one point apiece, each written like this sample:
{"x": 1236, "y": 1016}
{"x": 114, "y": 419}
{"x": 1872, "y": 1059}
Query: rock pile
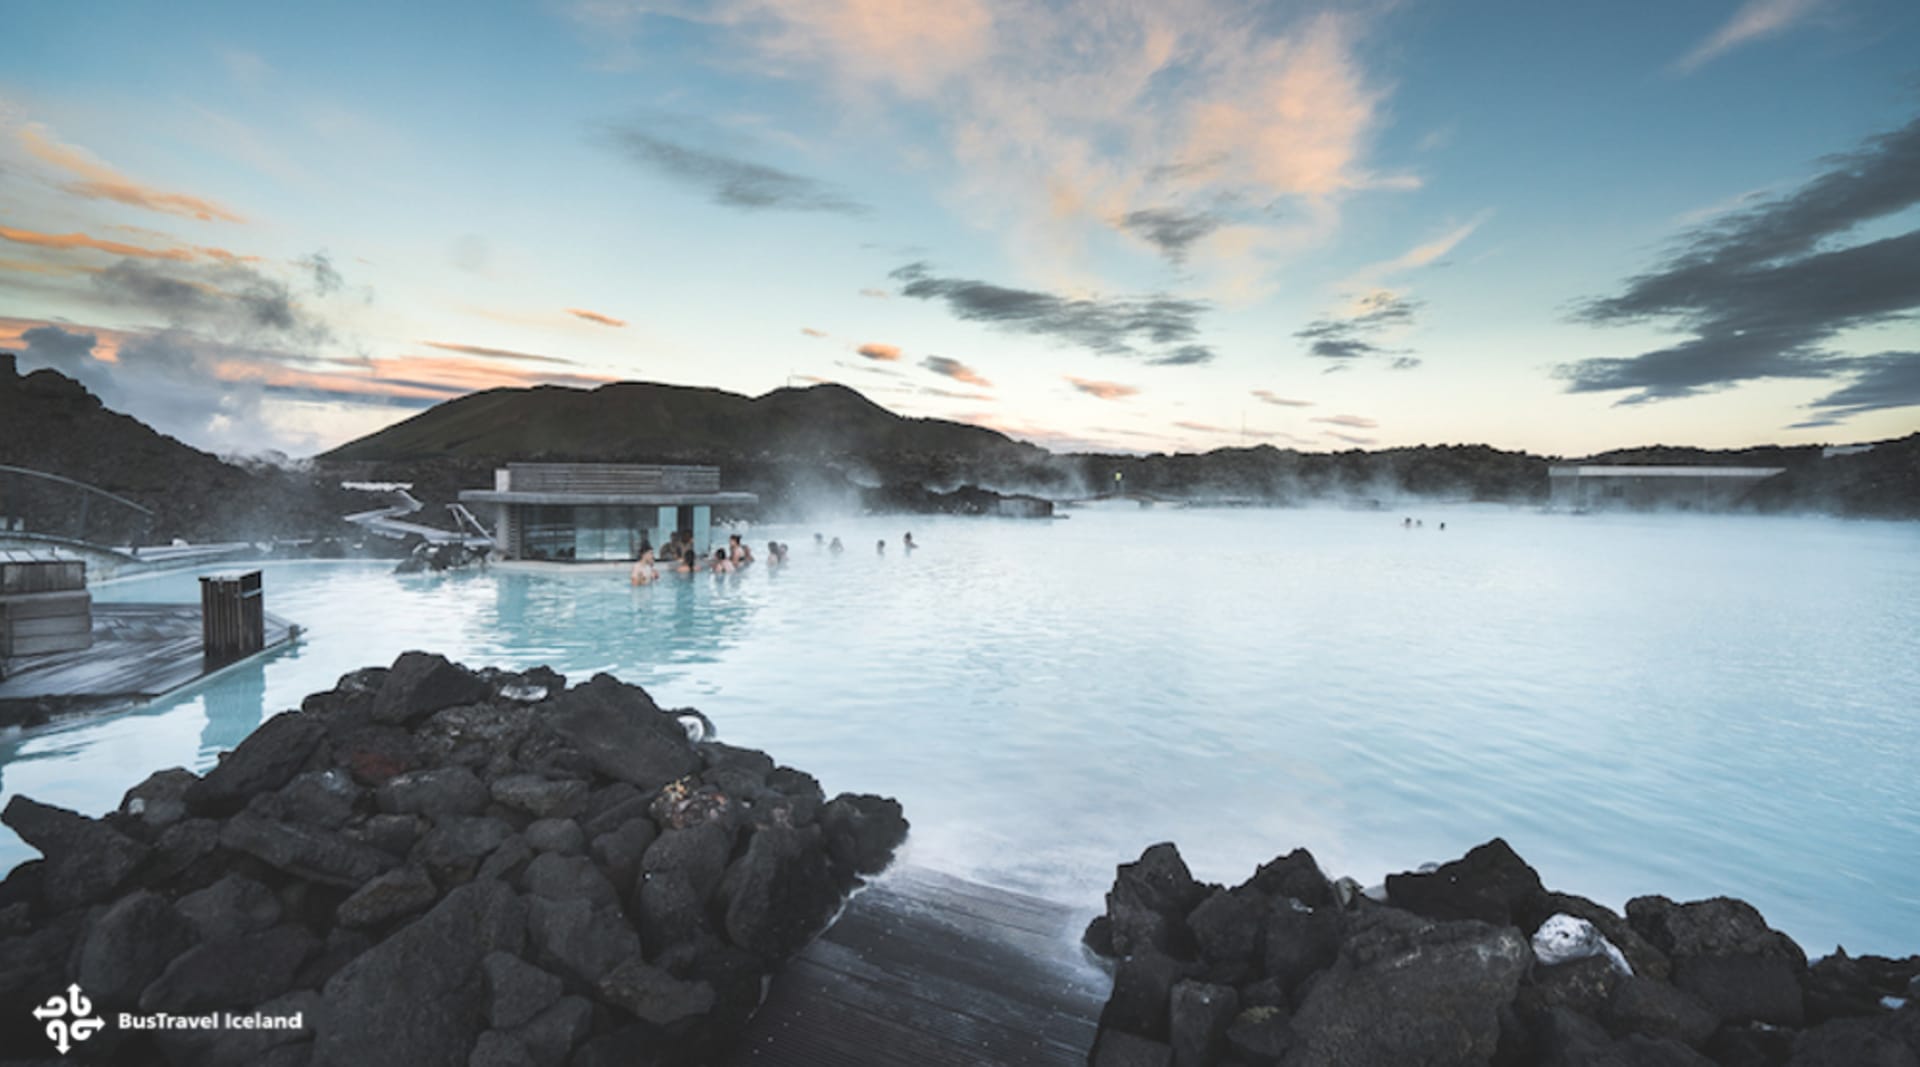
{"x": 1290, "y": 968}
{"x": 432, "y": 865}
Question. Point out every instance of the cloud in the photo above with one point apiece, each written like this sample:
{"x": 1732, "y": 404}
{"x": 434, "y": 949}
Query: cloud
{"x": 1266, "y": 396}
{"x": 1062, "y": 120}
{"x": 1168, "y": 229}
{"x": 1103, "y": 390}
{"x": 1203, "y": 427}
{"x": 1351, "y": 336}
{"x": 728, "y": 180}
{"x": 1764, "y": 289}
{"x": 55, "y": 347}
{"x": 958, "y": 371}
{"x": 870, "y": 368}
{"x": 953, "y": 395}
{"x": 876, "y": 350}
{"x": 1348, "y": 438}
{"x": 101, "y": 182}
{"x": 326, "y": 279}
{"x": 811, "y": 332}
{"x": 1352, "y": 422}
{"x": 1159, "y": 327}
{"x": 877, "y": 294}
{"x": 1887, "y": 380}
{"x": 65, "y": 241}
{"x": 227, "y": 300}
{"x": 1756, "y": 20}
{"x": 496, "y": 353}
{"x": 595, "y": 316}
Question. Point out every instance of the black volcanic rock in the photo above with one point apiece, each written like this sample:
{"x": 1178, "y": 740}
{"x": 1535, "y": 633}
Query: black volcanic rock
{"x": 1358, "y": 981}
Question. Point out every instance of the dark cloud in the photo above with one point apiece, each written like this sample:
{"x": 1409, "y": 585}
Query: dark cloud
{"x": 1404, "y": 363}
{"x": 1351, "y": 439}
{"x": 1170, "y": 230}
{"x": 228, "y": 300}
{"x": 958, "y": 371}
{"x": 1888, "y": 380}
{"x": 1762, "y": 290}
{"x": 1161, "y": 328}
{"x": 496, "y": 353}
{"x": 55, "y": 347}
{"x": 1103, "y": 390}
{"x": 731, "y": 181}
{"x": 326, "y": 280}
{"x": 1351, "y": 337}
{"x": 953, "y": 394}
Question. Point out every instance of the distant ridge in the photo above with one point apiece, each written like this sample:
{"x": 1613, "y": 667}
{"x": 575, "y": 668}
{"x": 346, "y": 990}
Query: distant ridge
{"x": 646, "y": 420}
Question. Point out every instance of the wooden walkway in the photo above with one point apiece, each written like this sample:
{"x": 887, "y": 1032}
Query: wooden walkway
{"x": 140, "y": 651}
{"x": 928, "y": 970}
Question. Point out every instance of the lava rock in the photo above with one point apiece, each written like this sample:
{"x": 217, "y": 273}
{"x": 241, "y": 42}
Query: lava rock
{"x": 1142, "y": 993}
{"x": 128, "y": 947}
{"x": 622, "y": 733}
{"x": 321, "y": 798}
{"x": 541, "y": 797}
{"x": 457, "y": 844}
{"x": 399, "y": 892}
{"x": 699, "y": 852}
{"x": 1408, "y": 990}
{"x": 86, "y": 859}
{"x": 1646, "y": 1006}
{"x": 232, "y": 906}
{"x": 654, "y": 996}
{"x": 1296, "y": 875}
{"x": 1490, "y": 883}
{"x": 517, "y": 990}
{"x": 420, "y": 684}
{"x": 552, "y": 876}
{"x": 1117, "y": 1048}
{"x": 554, "y": 1033}
{"x": 862, "y": 831}
{"x": 780, "y": 893}
{"x": 417, "y": 998}
{"x": 578, "y": 940}
{"x": 1229, "y": 927}
{"x": 231, "y": 971}
{"x": 1260, "y": 1035}
{"x": 1198, "y": 1014}
{"x": 161, "y": 800}
{"x": 305, "y": 851}
{"x": 269, "y": 757}
{"x": 620, "y": 851}
{"x": 555, "y": 835}
{"x": 434, "y": 792}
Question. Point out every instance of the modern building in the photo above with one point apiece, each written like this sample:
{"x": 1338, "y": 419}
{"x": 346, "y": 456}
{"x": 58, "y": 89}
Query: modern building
{"x": 598, "y": 511}
{"x": 1593, "y": 487}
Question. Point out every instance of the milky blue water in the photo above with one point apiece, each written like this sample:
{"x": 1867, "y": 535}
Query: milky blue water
{"x": 1682, "y": 705}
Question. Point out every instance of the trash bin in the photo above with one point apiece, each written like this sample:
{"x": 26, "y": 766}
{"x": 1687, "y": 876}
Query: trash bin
{"x": 233, "y": 617}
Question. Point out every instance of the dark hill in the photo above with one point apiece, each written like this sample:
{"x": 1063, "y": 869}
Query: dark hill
{"x": 51, "y": 423}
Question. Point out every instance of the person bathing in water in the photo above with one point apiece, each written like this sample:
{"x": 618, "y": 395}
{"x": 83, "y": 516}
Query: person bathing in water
{"x": 688, "y": 561}
{"x": 721, "y": 564}
{"x": 738, "y": 553}
{"x": 907, "y": 540}
{"x": 643, "y": 569}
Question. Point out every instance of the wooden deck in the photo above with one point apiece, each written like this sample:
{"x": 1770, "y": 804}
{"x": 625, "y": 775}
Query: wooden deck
{"x": 140, "y": 651}
{"x": 929, "y": 970}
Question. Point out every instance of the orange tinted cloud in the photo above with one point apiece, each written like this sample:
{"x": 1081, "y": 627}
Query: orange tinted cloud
{"x": 595, "y": 316}
{"x": 1103, "y": 390}
{"x": 494, "y": 353}
{"x": 23, "y": 267}
{"x": 958, "y": 371}
{"x": 875, "y": 350}
{"x": 106, "y": 343}
{"x": 470, "y": 375}
{"x": 101, "y": 182}
{"x": 811, "y": 332}
{"x": 1268, "y": 396}
{"x": 1203, "y": 427}
{"x": 80, "y": 240}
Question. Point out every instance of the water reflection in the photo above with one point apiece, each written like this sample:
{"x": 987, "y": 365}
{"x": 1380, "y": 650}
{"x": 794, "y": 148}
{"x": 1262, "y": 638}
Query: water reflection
{"x": 234, "y": 706}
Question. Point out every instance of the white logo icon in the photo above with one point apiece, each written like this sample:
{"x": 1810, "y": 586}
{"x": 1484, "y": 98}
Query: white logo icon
{"x": 59, "y": 1028}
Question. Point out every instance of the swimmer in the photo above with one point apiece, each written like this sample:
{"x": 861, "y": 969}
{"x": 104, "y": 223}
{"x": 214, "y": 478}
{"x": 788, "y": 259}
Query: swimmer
{"x": 818, "y": 541}
{"x": 836, "y": 547}
{"x": 773, "y": 553}
{"x": 643, "y": 569}
{"x": 880, "y": 547}
{"x": 721, "y": 564}
{"x": 907, "y": 540}
{"x": 737, "y": 551}
{"x": 688, "y": 562}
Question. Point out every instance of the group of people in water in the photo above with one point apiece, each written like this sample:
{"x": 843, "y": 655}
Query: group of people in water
{"x": 680, "y": 557}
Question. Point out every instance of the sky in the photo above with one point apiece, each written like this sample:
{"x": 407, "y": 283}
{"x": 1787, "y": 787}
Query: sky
{"x": 1164, "y": 226}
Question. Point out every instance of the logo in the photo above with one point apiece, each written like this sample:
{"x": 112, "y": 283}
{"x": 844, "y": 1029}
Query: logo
{"x": 63, "y": 1031}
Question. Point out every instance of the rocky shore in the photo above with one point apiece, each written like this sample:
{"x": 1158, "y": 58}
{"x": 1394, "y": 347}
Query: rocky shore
{"x": 431, "y": 865}
{"x": 1473, "y": 962}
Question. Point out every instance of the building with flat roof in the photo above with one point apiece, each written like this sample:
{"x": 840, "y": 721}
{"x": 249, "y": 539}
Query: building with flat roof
{"x": 1586, "y": 487}
{"x": 598, "y": 511}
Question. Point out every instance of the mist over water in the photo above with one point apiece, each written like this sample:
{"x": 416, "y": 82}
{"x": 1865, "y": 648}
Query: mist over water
{"x": 1666, "y": 704}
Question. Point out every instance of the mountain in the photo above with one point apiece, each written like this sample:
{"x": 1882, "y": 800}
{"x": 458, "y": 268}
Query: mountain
{"x": 52, "y": 424}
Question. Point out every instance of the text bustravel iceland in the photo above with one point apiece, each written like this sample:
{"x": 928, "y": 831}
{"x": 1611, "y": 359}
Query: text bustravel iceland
{"x": 69, "y": 1019}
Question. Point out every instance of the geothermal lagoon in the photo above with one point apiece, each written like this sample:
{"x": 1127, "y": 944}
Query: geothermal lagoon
{"x": 1673, "y": 704}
